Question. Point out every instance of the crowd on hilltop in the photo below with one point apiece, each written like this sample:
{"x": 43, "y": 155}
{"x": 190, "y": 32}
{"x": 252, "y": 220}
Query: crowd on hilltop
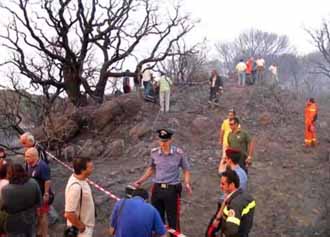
{"x": 158, "y": 86}
{"x": 253, "y": 71}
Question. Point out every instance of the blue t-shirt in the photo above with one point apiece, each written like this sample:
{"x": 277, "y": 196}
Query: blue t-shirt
{"x": 40, "y": 172}
{"x": 137, "y": 219}
{"x": 243, "y": 179}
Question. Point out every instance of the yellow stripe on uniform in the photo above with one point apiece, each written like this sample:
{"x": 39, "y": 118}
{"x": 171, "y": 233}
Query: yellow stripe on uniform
{"x": 225, "y": 211}
{"x": 247, "y": 209}
{"x": 234, "y": 220}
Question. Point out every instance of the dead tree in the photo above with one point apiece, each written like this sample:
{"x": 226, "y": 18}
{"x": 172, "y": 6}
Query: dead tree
{"x": 186, "y": 64}
{"x": 76, "y": 46}
{"x": 252, "y": 43}
{"x": 321, "y": 39}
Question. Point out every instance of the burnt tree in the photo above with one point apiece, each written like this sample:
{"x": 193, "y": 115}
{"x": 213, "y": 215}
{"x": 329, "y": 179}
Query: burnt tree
{"x": 75, "y": 46}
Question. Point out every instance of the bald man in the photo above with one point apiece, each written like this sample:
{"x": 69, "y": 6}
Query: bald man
{"x": 39, "y": 170}
{"x": 27, "y": 140}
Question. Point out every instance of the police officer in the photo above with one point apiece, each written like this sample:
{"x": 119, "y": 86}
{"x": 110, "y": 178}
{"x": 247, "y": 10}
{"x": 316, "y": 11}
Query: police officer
{"x": 235, "y": 216}
{"x": 165, "y": 163}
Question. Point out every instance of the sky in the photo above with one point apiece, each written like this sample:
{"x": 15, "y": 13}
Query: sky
{"x": 224, "y": 20}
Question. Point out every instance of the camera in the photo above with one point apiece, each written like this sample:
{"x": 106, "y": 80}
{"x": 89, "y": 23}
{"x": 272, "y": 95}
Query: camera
{"x": 129, "y": 191}
{"x": 71, "y": 231}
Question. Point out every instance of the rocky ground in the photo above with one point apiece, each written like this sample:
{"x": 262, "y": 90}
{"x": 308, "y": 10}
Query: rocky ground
{"x": 290, "y": 183}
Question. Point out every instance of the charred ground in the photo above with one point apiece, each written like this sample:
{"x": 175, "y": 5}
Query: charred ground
{"x": 289, "y": 182}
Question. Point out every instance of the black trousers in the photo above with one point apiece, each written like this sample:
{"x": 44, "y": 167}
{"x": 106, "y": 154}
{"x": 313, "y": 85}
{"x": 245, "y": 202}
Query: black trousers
{"x": 213, "y": 94}
{"x": 166, "y": 199}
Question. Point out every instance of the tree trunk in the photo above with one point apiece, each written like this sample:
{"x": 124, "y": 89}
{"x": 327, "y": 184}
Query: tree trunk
{"x": 72, "y": 82}
{"x": 100, "y": 88}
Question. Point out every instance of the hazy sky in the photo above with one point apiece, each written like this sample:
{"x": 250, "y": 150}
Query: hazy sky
{"x": 226, "y": 19}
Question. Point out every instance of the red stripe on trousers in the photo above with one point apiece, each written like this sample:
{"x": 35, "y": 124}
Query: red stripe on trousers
{"x": 210, "y": 230}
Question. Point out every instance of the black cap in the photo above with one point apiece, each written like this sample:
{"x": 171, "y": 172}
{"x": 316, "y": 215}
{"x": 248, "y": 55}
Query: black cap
{"x": 164, "y": 133}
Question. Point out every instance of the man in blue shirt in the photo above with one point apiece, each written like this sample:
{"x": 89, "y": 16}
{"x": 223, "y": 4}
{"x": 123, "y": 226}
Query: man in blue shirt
{"x": 232, "y": 160}
{"x": 39, "y": 170}
{"x": 136, "y": 218}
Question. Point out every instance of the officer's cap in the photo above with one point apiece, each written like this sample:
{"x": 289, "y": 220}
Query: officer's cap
{"x": 164, "y": 133}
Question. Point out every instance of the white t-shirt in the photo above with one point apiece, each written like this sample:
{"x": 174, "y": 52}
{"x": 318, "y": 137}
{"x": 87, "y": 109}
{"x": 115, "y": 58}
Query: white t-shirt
{"x": 260, "y": 62}
{"x": 146, "y": 76}
{"x": 273, "y": 69}
{"x": 72, "y": 201}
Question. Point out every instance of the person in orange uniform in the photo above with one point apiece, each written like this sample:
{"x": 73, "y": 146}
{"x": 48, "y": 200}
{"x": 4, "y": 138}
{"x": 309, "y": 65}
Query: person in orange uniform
{"x": 248, "y": 71}
{"x": 311, "y": 110}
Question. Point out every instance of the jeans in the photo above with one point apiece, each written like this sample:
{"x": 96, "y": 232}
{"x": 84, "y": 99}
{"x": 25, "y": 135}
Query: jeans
{"x": 147, "y": 88}
{"x": 52, "y": 215}
{"x": 164, "y": 100}
{"x": 241, "y": 78}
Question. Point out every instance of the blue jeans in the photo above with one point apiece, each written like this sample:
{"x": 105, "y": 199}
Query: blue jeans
{"x": 241, "y": 78}
{"x": 147, "y": 88}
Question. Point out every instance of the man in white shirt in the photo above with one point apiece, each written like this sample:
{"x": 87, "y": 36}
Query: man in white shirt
{"x": 273, "y": 71}
{"x": 79, "y": 203}
{"x": 260, "y": 68}
{"x": 146, "y": 80}
{"x": 240, "y": 68}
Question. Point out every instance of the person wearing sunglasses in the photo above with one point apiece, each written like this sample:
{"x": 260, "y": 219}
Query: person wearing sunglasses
{"x": 241, "y": 140}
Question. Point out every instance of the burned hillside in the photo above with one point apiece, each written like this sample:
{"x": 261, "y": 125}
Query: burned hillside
{"x": 290, "y": 182}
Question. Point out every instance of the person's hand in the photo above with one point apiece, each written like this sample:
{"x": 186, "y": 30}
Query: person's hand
{"x": 215, "y": 223}
{"x": 38, "y": 212}
{"x": 82, "y": 228}
{"x": 188, "y": 188}
{"x": 46, "y": 197}
{"x": 248, "y": 161}
{"x": 222, "y": 166}
{"x": 137, "y": 184}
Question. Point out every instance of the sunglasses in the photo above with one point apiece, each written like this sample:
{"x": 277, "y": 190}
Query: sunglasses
{"x": 231, "y": 124}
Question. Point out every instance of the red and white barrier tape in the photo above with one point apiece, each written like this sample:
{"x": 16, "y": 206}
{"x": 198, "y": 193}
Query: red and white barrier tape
{"x": 100, "y": 188}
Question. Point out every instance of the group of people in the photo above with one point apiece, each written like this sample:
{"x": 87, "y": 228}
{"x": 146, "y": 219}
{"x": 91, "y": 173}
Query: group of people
{"x": 135, "y": 217}
{"x": 25, "y": 193}
{"x": 153, "y": 87}
{"x": 234, "y": 215}
{"x": 253, "y": 71}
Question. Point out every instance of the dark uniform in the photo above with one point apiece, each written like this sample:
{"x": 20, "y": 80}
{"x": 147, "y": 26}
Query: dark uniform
{"x": 238, "y": 215}
{"x": 166, "y": 190}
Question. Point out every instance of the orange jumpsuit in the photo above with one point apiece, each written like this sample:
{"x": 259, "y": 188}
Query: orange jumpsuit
{"x": 310, "y": 133}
